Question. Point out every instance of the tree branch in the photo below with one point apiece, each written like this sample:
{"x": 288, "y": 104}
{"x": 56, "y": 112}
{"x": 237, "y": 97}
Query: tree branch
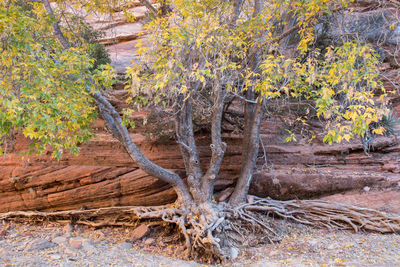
{"x": 236, "y": 10}
{"x": 297, "y": 26}
{"x": 150, "y": 7}
{"x": 114, "y": 121}
{"x": 56, "y": 27}
{"x": 138, "y": 157}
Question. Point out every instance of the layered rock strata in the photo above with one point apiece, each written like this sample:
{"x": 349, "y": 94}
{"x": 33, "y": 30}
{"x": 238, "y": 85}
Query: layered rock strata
{"x": 103, "y": 174}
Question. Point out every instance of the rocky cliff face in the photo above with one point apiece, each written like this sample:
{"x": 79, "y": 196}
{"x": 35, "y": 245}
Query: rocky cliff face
{"x": 103, "y": 174}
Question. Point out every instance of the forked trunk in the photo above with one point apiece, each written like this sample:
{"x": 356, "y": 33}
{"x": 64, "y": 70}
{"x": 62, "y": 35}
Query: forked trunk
{"x": 209, "y": 228}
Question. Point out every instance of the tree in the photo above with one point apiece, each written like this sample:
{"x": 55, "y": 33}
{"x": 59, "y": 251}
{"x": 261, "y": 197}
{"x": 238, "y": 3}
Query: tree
{"x": 202, "y": 54}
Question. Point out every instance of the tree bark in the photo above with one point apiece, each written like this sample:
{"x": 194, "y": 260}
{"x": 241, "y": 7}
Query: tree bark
{"x": 217, "y": 147}
{"x": 134, "y": 152}
{"x": 150, "y": 7}
{"x": 236, "y": 10}
{"x": 249, "y": 163}
{"x": 187, "y": 144}
{"x": 252, "y": 121}
{"x": 56, "y": 27}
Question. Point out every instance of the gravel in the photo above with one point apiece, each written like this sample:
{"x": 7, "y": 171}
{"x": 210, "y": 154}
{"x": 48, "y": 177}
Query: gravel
{"x": 51, "y": 245}
{"x": 33, "y": 245}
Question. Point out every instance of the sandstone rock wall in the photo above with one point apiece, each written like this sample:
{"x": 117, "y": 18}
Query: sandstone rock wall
{"x": 103, "y": 174}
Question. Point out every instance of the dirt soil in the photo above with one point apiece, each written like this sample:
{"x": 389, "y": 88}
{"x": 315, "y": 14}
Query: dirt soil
{"x": 48, "y": 244}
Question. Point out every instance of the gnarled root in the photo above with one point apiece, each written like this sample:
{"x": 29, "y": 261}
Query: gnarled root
{"x": 217, "y": 231}
{"x": 328, "y": 214}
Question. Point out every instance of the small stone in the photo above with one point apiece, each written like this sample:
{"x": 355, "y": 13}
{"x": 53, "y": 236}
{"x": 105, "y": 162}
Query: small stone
{"x": 234, "y": 253}
{"x": 60, "y": 240}
{"x": 125, "y": 245}
{"x": 313, "y": 242}
{"x": 366, "y": 188}
{"x": 149, "y": 241}
{"x": 75, "y": 243}
{"x": 88, "y": 245}
{"x": 332, "y": 246}
{"x": 140, "y": 232}
{"x": 40, "y": 244}
{"x": 55, "y": 256}
{"x": 3, "y": 233}
{"x": 67, "y": 229}
{"x": 55, "y": 234}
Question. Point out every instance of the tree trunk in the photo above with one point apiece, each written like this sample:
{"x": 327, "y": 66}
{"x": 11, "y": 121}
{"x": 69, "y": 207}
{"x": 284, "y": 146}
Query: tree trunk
{"x": 187, "y": 144}
{"x": 249, "y": 162}
{"x": 251, "y": 136}
{"x": 217, "y": 146}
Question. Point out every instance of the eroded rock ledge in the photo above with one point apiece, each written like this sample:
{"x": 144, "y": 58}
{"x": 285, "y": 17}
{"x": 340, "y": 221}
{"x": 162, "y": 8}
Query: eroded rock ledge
{"x": 103, "y": 174}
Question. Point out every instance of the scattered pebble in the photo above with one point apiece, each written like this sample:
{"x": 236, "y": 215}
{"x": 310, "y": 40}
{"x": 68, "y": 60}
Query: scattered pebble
{"x": 140, "y": 232}
{"x": 59, "y": 240}
{"x": 55, "y": 256}
{"x": 149, "y": 241}
{"x": 109, "y": 247}
{"x": 75, "y": 243}
{"x": 125, "y": 245}
{"x": 68, "y": 228}
{"x": 40, "y": 244}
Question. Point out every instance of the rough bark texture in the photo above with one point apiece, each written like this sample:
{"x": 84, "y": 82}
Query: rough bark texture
{"x": 103, "y": 174}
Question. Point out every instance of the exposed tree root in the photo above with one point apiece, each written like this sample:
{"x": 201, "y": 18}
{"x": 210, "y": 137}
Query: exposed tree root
{"x": 217, "y": 231}
{"x": 111, "y": 216}
{"x": 329, "y": 215}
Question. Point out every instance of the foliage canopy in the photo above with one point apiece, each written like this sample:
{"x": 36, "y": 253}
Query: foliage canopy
{"x": 199, "y": 54}
{"x": 200, "y": 47}
{"x": 40, "y": 95}
{"x": 197, "y": 47}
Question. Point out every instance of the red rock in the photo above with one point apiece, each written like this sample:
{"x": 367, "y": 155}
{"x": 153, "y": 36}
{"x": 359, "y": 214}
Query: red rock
{"x": 75, "y": 243}
{"x": 391, "y": 167}
{"x": 388, "y": 201}
{"x": 222, "y": 196}
{"x": 141, "y": 231}
{"x": 3, "y": 233}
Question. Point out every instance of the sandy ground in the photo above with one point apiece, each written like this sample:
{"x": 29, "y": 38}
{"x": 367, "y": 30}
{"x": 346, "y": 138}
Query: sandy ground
{"x": 48, "y": 244}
